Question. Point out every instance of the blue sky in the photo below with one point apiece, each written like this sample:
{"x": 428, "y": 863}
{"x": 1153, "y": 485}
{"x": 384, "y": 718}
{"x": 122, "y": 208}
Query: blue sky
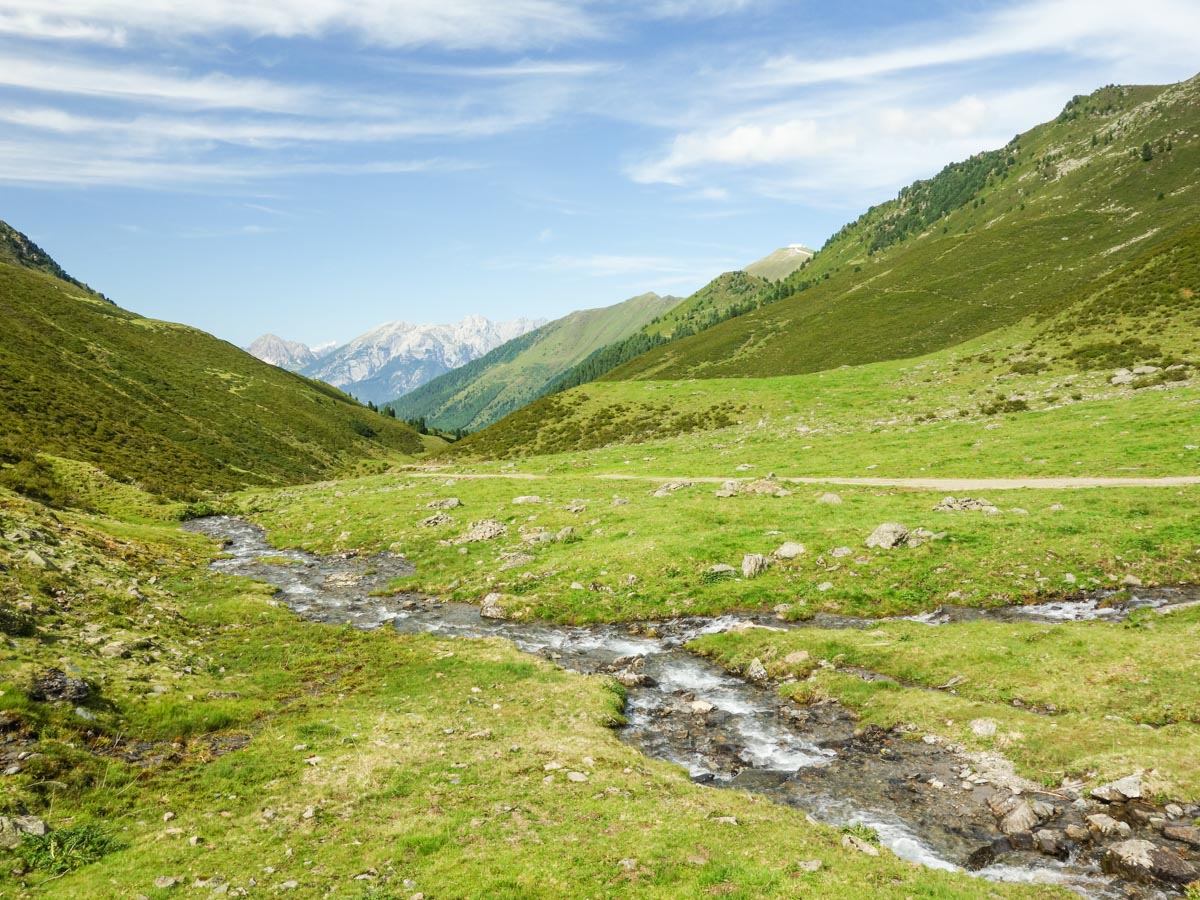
{"x": 317, "y": 167}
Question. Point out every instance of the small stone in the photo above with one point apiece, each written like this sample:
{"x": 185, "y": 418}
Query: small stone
{"x": 756, "y": 671}
{"x": 721, "y": 570}
{"x": 809, "y": 865}
{"x": 577, "y": 777}
{"x": 983, "y": 727}
{"x": 163, "y": 882}
{"x": 754, "y": 564}
{"x": 888, "y": 536}
{"x": 1107, "y": 826}
{"x": 789, "y": 550}
{"x": 1020, "y": 820}
{"x": 825, "y": 586}
{"x": 1173, "y": 811}
{"x": 519, "y": 501}
{"x": 701, "y": 707}
{"x": 490, "y": 608}
{"x": 1185, "y": 834}
{"x": 854, "y": 842}
{"x": 168, "y": 816}
{"x": 830, "y": 499}
{"x": 627, "y": 864}
{"x": 726, "y": 820}
{"x": 195, "y": 840}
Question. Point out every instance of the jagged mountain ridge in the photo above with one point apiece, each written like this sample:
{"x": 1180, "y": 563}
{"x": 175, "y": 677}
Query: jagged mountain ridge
{"x": 397, "y": 357}
{"x": 290, "y": 355}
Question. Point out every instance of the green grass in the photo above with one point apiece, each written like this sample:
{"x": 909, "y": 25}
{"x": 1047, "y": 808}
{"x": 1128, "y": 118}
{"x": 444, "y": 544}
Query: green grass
{"x": 668, "y": 543}
{"x": 296, "y": 752}
{"x": 1094, "y": 701}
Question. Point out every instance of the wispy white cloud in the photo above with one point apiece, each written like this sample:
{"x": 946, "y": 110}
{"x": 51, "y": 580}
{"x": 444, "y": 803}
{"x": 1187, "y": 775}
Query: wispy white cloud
{"x": 392, "y": 23}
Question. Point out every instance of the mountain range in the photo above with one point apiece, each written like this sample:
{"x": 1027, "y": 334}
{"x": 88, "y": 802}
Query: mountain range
{"x": 394, "y": 358}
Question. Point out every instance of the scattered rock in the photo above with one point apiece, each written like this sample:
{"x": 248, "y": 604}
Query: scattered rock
{"x": 485, "y": 530}
{"x": 576, "y": 506}
{"x": 53, "y": 684}
{"x": 854, "y": 842}
{"x": 12, "y": 829}
{"x": 669, "y": 488}
{"x": 490, "y": 608}
{"x": 1020, "y": 820}
{"x": 726, "y": 820}
{"x": 840, "y": 552}
{"x": 437, "y": 520}
{"x": 1122, "y": 376}
{"x": 115, "y": 650}
{"x": 566, "y": 535}
{"x": 720, "y": 570}
{"x": 796, "y": 657}
{"x": 577, "y": 777}
{"x": 1127, "y": 788}
{"x": 966, "y": 504}
{"x": 756, "y": 671}
{"x": 888, "y": 536}
{"x": 447, "y": 503}
{"x": 162, "y": 882}
{"x": 1107, "y": 826}
{"x": 983, "y": 727}
{"x": 701, "y": 707}
{"x": 809, "y": 865}
{"x": 1185, "y": 834}
{"x": 830, "y": 499}
{"x": 1144, "y": 862}
{"x": 532, "y": 498}
{"x": 1131, "y": 581}
{"x": 789, "y": 550}
{"x": 754, "y": 564}
{"x": 1145, "y": 370}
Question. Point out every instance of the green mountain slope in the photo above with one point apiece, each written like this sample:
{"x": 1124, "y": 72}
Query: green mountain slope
{"x": 1005, "y": 235}
{"x": 727, "y": 295}
{"x": 1072, "y": 250}
{"x": 18, "y": 250}
{"x": 510, "y": 376}
{"x": 169, "y": 407}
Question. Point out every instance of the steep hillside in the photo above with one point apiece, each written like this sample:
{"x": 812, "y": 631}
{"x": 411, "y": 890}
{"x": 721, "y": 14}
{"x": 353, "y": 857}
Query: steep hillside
{"x": 164, "y": 405}
{"x": 1011, "y": 233}
{"x": 18, "y": 250}
{"x": 1072, "y": 252}
{"x": 780, "y": 264}
{"x": 290, "y": 355}
{"x": 395, "y": 358}
{"x": 727, "y": 295}
{"x": 521, "y": 370}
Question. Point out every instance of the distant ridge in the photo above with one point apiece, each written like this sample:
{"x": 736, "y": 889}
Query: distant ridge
{"x": 522, "y": 369}
{"x": 782, "y": 263}
{"x": 290, "y": 355}
{"x": 397, "y": 357}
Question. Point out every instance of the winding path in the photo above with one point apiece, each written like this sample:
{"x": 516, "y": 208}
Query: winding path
{"x": 918, "y": 484}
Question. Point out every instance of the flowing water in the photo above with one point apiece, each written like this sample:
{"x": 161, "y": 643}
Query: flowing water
{"x": 725, "y": 730}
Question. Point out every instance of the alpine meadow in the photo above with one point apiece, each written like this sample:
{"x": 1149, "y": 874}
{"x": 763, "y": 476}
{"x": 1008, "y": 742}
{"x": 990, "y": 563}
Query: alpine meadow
{"x": 869, "y": 571}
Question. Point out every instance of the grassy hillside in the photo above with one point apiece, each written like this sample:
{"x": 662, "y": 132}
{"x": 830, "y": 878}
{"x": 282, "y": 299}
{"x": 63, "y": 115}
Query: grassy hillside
{"x": 780, "y": 264}
{"x": 1022, "y": 279}
{"x": 1027, "y": 230}
{"x": 164, "y": 405}
{"x": 18, "y": 250}
{"x": 519, "y": 371}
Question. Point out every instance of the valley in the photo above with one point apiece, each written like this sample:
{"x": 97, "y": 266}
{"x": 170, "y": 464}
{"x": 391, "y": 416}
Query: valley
{"x": 864, "y": 573}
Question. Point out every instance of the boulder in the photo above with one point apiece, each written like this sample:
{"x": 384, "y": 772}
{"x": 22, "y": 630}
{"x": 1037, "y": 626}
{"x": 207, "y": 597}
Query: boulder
{"x": 754, "y": 564}
{"x": 983, "y": 727}
{"x": 1147, "y": 863}
{"x": 1021, "y": 819}
{"x": 490, "y": 608}
{"x": 1122, "y": 376}
{"x": 532, "y": 498}
{"x": 1185, "y": 834}
{"x": 720, "y": 570}
{"x": 830, "y": 499}
{"x": 888, "y": 536}
{"x": 485, "y": 530}
{"x": 1127, "y": 788}
{"x": 756, "y": 671}
{"x": 1107, "y": 826}
{"x": 789, "y": 550}
{"x": 53, "y": 684}
{"x": 447, "y": 503}
{"x": 437, "y": 520}
{"x": 669, "y": 488}
{"x": 1145, "y": 370}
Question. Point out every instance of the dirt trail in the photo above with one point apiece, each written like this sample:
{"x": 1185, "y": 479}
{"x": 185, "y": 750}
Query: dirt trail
{"x": 920, "y": 484}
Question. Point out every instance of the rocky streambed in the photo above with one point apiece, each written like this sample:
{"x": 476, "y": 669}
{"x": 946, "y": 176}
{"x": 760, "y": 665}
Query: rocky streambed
{"x": 929, "y": 802}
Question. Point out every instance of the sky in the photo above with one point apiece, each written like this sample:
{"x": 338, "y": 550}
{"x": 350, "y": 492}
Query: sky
{"x": 314, "y": 168}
